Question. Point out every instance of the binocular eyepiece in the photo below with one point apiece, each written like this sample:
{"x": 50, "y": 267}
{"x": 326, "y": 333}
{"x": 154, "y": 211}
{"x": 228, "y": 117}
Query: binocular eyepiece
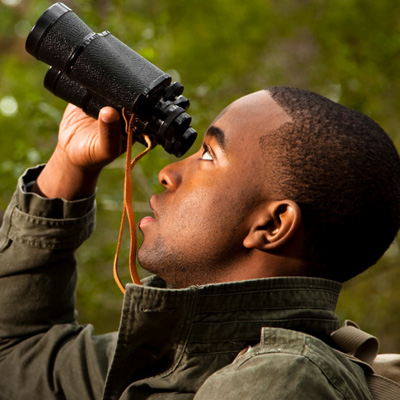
{"x": 93, "y": 70}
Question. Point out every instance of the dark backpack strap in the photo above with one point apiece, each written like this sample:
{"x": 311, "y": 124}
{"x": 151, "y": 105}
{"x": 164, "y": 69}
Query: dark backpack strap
{"x": 383, "y": 388}
{"x": 362, "y": 348}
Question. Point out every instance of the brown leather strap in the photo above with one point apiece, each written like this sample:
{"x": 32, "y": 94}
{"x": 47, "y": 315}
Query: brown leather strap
{"x": 127, "y": 209}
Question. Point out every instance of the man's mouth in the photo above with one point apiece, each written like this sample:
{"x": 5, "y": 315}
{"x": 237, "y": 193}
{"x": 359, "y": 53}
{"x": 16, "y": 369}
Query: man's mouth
{"x": 147, "y": 220}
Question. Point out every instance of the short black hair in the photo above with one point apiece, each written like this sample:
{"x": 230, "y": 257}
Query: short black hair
{"x": 343, "y": 171}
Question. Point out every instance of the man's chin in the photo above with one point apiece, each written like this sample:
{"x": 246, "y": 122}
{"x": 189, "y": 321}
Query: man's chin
{"x": 145, "y": 261}
{"x": 140, "y": 258}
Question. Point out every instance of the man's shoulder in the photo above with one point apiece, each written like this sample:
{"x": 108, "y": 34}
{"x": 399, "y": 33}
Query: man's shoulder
{"x": 288, "y": 364}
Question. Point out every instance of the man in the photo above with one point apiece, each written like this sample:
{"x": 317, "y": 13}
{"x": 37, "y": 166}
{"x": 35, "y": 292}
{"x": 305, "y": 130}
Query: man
{"x": 289, "y": 195}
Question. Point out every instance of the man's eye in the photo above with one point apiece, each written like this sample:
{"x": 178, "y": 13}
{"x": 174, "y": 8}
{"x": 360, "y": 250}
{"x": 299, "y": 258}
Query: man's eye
{"x": 206, "y": 155}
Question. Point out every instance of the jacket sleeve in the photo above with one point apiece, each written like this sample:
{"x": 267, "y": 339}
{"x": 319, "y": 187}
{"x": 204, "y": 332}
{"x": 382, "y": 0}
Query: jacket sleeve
{"x": 44, "y": 353}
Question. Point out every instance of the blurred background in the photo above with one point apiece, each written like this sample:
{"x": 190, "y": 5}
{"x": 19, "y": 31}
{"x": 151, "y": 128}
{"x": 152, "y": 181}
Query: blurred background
{"x": 347, "y": 50}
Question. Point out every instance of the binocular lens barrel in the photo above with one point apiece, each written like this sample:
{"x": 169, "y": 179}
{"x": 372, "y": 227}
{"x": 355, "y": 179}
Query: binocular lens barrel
{"x": 94, "y": 70}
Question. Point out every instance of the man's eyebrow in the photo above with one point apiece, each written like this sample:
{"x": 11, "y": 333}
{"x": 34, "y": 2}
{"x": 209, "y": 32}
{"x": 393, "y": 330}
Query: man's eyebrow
{"x": 218, "y": 134}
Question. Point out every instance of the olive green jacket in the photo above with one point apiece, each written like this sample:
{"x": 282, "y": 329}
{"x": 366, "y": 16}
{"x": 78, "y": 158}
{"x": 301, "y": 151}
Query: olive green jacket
{"x": 260, "y": 339}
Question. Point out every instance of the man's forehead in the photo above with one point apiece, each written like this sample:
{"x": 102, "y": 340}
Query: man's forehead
{"x": 251, "y": 116}
{"x": 221, "y": 114}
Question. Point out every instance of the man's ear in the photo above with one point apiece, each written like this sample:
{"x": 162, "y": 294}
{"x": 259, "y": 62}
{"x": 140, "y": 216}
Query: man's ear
{"x": 274, "y": 225}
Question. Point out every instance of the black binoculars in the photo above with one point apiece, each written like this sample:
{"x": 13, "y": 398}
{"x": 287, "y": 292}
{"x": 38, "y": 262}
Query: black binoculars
{"x": 93, "y": 70}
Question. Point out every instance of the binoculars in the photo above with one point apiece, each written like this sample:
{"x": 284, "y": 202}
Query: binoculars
{"x": 93, "y": 70}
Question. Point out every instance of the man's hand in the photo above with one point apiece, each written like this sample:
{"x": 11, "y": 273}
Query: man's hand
{"x": 87, "y": 143}
{"x": 84, "y": 147}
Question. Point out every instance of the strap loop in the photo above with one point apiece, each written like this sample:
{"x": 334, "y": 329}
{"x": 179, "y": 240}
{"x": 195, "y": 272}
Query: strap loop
{"x": 127, "y": 209}
{"x": 361, "y": 347}
{"x": 352, "y": 340}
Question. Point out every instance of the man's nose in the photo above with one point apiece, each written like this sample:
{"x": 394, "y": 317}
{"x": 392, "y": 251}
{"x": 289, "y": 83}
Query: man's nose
{"x": 171, "y": 175}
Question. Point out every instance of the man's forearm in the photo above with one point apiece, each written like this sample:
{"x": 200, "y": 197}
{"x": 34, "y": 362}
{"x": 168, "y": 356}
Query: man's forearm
{"x": 38, "y": 239}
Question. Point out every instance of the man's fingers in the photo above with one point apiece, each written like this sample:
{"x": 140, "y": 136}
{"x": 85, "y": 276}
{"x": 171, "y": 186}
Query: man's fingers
{"x": 109, "y": 115}
{"x": 110, "y": 132}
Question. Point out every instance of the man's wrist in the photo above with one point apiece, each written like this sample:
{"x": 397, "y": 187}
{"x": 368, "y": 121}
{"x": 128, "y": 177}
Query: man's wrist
{"x": 61, "y": 179}
{"x": 35, "y": 204}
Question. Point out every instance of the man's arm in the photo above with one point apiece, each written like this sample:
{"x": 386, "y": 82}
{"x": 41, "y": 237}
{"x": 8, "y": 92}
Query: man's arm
{"x": 39, "y": 235}
{"x": 44, "y": 353}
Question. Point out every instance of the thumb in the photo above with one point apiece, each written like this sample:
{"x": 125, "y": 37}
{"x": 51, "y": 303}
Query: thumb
{"x": 110, "y": 137}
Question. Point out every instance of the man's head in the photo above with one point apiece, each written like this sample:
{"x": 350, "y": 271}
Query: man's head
{"x": 343, "y": 171}
{"x": 274, "y": 190}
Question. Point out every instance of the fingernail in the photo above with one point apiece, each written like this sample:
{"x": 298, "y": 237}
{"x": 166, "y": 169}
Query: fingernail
{"x": 108, "y": 115}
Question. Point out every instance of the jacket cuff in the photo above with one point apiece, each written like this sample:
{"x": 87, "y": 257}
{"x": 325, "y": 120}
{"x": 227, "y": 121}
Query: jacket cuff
{"x": 34, "y": 204}
{"x": 44, "y": 223}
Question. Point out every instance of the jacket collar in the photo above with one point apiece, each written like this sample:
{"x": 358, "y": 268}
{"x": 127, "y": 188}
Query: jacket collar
{"x": 160, "y": 327}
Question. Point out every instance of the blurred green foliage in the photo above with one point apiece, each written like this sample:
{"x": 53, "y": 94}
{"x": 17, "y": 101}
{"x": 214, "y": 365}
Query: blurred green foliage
{"x": 348, "y": 50}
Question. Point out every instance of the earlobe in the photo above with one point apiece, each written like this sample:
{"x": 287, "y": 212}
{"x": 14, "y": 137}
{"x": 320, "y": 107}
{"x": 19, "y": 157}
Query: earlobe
{"x": 274, "y": 225}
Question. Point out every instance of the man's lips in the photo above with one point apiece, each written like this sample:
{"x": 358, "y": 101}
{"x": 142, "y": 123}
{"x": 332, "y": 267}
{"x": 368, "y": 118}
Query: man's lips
{"x": 147, "y": 220}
